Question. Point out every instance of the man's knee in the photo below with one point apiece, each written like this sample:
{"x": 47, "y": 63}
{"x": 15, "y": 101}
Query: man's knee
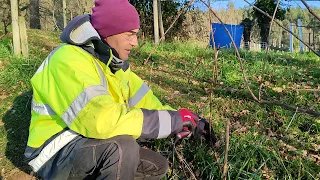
{"x": 126, "y": 141}
{"x": 114, "y": 158}
{"x": 128, "y": 148}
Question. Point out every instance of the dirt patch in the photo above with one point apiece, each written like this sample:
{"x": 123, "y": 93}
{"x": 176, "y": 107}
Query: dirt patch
{"x": 17, "y": 174}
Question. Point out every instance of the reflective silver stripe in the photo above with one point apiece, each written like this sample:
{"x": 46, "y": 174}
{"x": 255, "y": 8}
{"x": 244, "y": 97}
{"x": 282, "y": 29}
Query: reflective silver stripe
{"x": 81, "y": 101}
{"x": 103, "y": 80}
{"x": 84, "y": 98}
{"x": 46, "y": 61}
{"x": 43, "y": 109}
{"x": 164, "y": 124}
{"x": 134, "y": 100}
{"x": 51, "y": 149}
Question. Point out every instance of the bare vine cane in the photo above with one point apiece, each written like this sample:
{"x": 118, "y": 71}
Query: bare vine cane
{"x": 293, "y": 108}
{"x": 268, "y": 49}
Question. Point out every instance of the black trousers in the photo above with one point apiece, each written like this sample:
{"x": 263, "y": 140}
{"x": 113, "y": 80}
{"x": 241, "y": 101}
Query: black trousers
{"x": 120, "y": 158}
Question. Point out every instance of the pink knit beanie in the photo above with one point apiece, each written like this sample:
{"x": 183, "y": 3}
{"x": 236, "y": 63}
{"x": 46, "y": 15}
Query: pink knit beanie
{"x": 110, "y": 17}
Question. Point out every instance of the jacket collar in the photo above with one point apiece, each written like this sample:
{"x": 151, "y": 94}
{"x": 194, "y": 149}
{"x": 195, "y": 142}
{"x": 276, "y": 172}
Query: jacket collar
{"x": 80, "y": 32}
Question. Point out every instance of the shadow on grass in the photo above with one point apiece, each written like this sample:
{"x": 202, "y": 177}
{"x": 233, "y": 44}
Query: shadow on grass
{"x": 17, "y": 121}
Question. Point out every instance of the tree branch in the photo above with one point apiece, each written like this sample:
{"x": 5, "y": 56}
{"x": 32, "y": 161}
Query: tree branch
{"x": 25, "y": 7}
{"x": 266, "y": 14}
{"x": 277, "y": 103}
{"x": 2, "y": 36}
{"x": 310, "y": 10}
{"x": 303, "y": 110}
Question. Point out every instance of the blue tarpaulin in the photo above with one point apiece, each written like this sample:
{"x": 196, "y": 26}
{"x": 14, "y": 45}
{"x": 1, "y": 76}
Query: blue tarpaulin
{"x": 221, "y": 37}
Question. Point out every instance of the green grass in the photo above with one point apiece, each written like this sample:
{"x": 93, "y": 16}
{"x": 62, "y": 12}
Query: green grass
{"x": 15, "y": 97}
{"x": 262, "y": 144}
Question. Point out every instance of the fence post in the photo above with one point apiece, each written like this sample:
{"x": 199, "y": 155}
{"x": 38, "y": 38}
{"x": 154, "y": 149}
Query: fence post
{"x": 300, "y": 34}
{"x": 291, "y": 40}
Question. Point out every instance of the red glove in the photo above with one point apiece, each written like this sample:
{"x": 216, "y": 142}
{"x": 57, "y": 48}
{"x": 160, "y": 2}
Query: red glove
{"x": 189, "y": 120}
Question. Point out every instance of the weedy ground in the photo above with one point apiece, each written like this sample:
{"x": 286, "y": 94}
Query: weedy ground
{"x": 266, "y": 141}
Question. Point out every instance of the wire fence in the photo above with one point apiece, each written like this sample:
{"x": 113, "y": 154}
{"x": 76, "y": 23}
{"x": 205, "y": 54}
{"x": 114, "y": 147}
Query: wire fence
{"x": 280, "y": 39}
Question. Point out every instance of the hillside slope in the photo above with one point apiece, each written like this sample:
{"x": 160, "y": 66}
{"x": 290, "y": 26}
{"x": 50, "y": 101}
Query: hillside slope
{"x": 266, "y": 141}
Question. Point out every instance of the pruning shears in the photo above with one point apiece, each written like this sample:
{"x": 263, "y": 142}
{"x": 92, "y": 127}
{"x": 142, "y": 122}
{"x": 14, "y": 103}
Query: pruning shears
{"x": 186, "y": 133}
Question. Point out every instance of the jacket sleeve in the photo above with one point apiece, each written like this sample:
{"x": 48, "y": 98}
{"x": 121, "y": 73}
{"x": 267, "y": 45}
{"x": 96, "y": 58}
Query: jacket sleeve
{"x": 85, "y": 104}
{"x": 155, "y": 113}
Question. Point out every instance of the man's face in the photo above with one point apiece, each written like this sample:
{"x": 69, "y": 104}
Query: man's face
{"x": 123, "y": 42}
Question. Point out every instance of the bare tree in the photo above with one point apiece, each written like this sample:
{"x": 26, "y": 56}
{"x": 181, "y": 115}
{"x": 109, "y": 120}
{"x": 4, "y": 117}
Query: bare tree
{"x": 15, "y": 27}
{"x": 64, "y": 6}
{"x": 34, "y": 11}
{"x": 160, "y": 20}
{"x": 5, "y": 14}
{"x": 155, "y": 21}
{"x": 23, "y": 28}
{"x": 58, "y": 13}
{"x": 23, "y": 36}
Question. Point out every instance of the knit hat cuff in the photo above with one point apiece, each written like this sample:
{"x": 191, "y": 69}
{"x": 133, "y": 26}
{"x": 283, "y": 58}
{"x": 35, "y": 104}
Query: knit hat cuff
{"x": 112, "y": 17}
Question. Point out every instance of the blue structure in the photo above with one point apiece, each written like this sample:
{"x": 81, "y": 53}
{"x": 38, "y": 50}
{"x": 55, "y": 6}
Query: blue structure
{"x": 291, "y": 39}
{"x": 222, "y": 38}
{"x": 300, "y": 34}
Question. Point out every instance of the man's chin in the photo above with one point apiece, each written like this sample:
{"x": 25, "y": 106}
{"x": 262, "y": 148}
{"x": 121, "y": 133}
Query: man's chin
{"x": 124, "y": 57}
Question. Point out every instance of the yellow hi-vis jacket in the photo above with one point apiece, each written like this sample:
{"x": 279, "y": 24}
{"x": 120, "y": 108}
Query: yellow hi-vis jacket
{"x": 76, "y": 94}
